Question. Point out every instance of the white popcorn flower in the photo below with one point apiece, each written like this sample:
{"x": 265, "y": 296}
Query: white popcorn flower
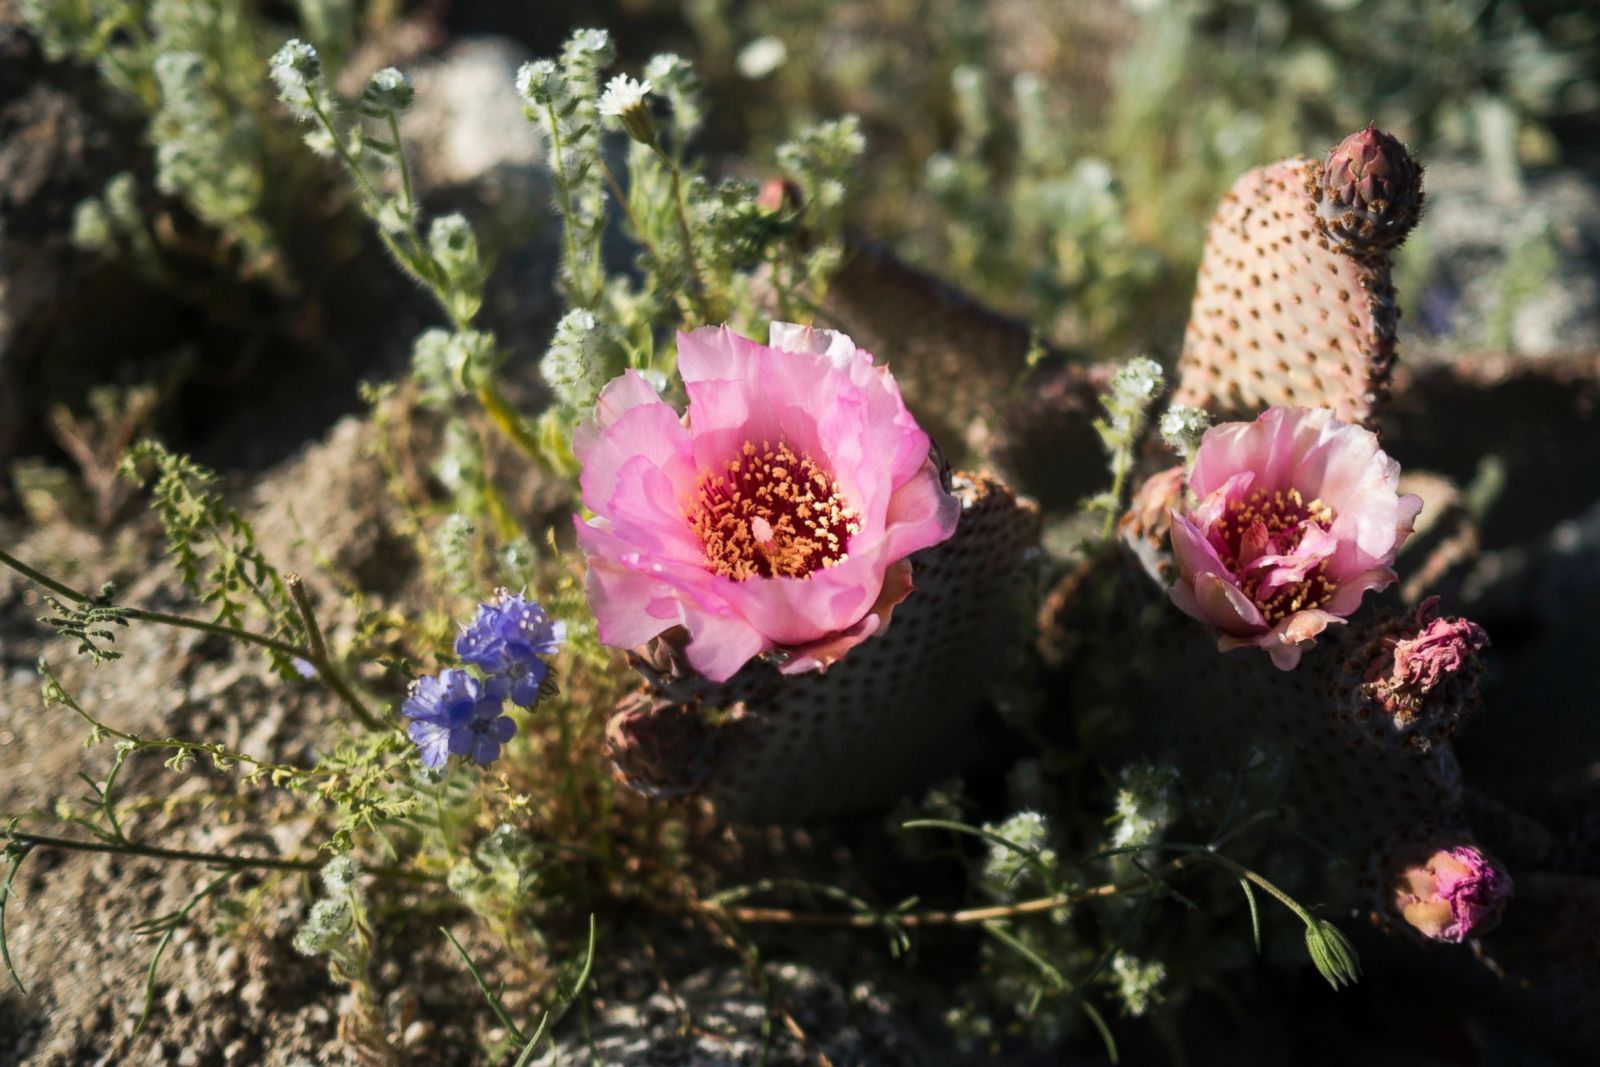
{"x": 624, "y": 100}
{"x": 622, "y": 95}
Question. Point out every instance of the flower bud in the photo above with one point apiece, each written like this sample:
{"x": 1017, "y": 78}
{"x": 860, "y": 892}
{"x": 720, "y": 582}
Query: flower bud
{"x": 1453, "y": 894}
{"x": 297, "y": 70}
{"x": 661, "y": 748}
{"x": 779, "y": 196}
{"x": 387, "y": 90}
{"x": 538, "y": 83}
{"x": 454, "y": 247}
{"x": 1368, "y": 194}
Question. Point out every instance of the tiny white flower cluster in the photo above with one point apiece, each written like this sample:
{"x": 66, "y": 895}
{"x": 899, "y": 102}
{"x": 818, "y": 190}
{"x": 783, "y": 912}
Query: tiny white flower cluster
{"x": 386, "y": 91}
{"x": 1146, "y": 804}
{"x": 674, "y": 78}
{"x": 1004, "y": 867}
{"x": 575, "y": 366}
{"x": 1182, "y": 427}
{"x": 622, "y": 95}
{"x": 822, "y": 159}
{"x": 625, "y": 100}
{"x": 1137, "y": 382}
{"x": 1138, "y": 982}
{"x": 447, "y": 364}
{"x": 297, "y": 70}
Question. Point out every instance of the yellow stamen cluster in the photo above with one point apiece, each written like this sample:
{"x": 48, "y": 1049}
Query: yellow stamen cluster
{"x": 772, "y": 513}
{"x": 1285, "y": 516}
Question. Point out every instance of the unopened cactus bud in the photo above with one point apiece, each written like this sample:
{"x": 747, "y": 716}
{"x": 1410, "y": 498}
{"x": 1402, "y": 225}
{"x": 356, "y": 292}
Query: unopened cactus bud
{"x": 661, "y": 748}
{"x": 1367, "y": 195}
{"x": 1453, "y": 894}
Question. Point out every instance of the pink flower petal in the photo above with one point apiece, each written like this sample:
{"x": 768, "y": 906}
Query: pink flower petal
{"x": 643, "y": 467}
{"x": 719, "y": 645}
{"x": 820, "y": 655}
{"x": 1325, "y": 522}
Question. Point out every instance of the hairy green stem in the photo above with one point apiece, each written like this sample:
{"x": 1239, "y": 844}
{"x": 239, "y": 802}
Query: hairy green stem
{"x": 28, "y": 840}
{"x": 507, "y": 420}
{"x": 697, "y": 289}
{"x": 179, "y": 621}
{"x": 316, "y": 655}
{"x": 558, "y": 164}
{"x": 319, "y": 658}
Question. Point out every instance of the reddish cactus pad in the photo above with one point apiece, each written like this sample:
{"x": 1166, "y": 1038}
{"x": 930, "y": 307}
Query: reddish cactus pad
{"x": 1295, "y": 307}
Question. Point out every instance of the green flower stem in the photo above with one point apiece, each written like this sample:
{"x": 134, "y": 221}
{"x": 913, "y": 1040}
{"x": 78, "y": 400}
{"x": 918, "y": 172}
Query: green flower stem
{"x": 697, "y": 289}
{"x": 400, "y": 162}
{"x": 964, "y": 917}
{"x": 1239, "y": 870}
{"x": 319, "y": 658}
{"x": 23, "y": 839}
{"x": 179, "y": 621}
{"x": 621, "y": 197}
{"x": 581, "y": 299}
{"x": 414, "y": 260}
{"x": 507, "y": 420}
{"x": 316, "y": 656}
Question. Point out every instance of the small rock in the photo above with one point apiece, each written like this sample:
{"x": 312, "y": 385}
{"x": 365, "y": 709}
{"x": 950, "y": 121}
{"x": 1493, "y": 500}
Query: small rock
{"x": 419, "y": 1033}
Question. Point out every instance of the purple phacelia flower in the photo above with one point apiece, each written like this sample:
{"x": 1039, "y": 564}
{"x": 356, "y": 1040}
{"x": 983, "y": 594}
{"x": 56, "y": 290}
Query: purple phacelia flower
{"x": 456, "y": 714}
{"x": 507, "y": 640}
{"x": 1456, "y": 893}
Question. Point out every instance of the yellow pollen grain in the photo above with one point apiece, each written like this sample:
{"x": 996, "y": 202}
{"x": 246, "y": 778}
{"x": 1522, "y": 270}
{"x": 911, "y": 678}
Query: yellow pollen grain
{"x": 1278, "y": 511}
{"x": 771, "y": 513}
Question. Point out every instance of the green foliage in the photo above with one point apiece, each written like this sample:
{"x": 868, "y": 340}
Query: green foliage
{"x": 212, "y": 546}
{"x": 89, "y": 623}
{"x": 189, "y": 66}
{"x": 1134, "y": 389}
{"x": 1181, "y": 429}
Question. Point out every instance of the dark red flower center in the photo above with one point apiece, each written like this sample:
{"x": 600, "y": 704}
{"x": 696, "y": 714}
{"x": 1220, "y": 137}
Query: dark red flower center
{"x": 771, "y": 513}
{"x": 1270, "y": 523}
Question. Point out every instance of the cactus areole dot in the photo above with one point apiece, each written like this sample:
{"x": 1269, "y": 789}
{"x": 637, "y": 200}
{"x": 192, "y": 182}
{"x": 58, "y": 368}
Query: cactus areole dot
{"x": 771, "y": 513}
{"x": 1297, "y": 516}
{"x": 776, "y": 516}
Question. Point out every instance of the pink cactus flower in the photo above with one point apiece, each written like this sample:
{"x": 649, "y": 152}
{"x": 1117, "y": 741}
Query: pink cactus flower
{"x": 1455, "y": 894}
{"x": 776, "y": 516}
{"x": 1299, "y": 515}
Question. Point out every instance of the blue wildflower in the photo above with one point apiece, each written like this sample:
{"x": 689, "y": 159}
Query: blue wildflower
{"x": 507, "y": 639}
{"x": 456, "y": 714}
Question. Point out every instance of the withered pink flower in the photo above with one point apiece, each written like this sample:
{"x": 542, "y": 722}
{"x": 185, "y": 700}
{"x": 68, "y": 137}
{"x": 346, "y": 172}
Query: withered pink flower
{"x": 1454, "y": 894}
{"x": 775, "y": 516}
{"x": 1441, "y": 648}
{"x": 1298, "y": 516}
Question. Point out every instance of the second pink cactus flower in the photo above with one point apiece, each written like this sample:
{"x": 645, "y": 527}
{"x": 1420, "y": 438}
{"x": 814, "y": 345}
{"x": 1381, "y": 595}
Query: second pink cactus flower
{"x": 776, "y": 516}
{"x": 1298, "y": 516}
